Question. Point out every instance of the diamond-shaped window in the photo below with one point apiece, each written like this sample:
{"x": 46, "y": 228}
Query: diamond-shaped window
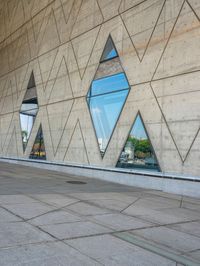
{"x": 28, "y": 111}
{"x": 107, "y": 95}
{"x": 138, "y": 152}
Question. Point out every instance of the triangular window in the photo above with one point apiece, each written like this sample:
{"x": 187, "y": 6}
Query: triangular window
{"x": 138, "y": 152}
{"x": 110, "y": 51}
{"x": 28, "y": 111}
{"x": 38, "y": 150}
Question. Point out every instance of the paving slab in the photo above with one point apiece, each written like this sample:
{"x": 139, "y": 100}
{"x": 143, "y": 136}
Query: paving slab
{"x": 157, "y": 203}
{"x": 15, "y": 199}
{"x": 112, "y": 251}
{"x": 20, "y": 233}
{"x": 55, "y": 217}
{"x": 28, "y": 210}
{"x": 191, "y": 206}
{"x": 74, "y": 230}
{"x": 104, "y": 196}
{"x": 192, "y": 228}
{"x": 112, "y": 204}
{"x": 39, "y": 211}
{"x": 162, "y": 216}
{"x": 45, "y": 254}
{"x": 55, "y": 199}
{"x": 178, "y": 241}
{"x": 6, "y": 216}
{"x": 86, "y": 209}
{"x": 194, "y": 255}
{"x": 118, "y": 221}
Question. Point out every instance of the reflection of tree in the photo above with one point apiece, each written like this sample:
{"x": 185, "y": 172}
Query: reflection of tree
{"x": 38, "y": 150}
{"x": 142, "y": 147}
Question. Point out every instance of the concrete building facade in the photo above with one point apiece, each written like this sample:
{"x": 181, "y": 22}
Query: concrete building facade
{"x": 52, "y": 50}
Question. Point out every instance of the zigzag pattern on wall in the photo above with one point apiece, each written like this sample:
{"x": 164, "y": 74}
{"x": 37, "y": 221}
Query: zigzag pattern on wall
{"x": 62, "y": 41}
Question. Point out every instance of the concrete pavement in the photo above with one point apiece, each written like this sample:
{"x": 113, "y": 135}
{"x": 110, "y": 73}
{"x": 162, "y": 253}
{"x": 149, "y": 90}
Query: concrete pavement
{"x": 44, "y": 220}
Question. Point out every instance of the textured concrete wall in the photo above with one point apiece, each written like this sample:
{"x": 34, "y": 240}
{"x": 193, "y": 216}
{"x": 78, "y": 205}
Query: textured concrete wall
{"x": 61, "y": 41}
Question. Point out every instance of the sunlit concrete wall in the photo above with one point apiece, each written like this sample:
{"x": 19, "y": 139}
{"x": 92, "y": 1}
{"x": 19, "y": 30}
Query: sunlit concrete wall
{"x": 61, "y": 41}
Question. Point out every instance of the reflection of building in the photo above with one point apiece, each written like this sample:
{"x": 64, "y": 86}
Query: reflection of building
{"x": 129, "y": 149}
{"x": 102, "y": 143}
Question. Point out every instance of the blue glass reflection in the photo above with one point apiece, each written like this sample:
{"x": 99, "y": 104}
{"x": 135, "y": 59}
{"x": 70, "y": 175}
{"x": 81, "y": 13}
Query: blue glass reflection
{"x": 111, "y": 54}
{"x": 108, "y": 84}
{"x": 109, "y": 51}
{"x": 105, "y": 110}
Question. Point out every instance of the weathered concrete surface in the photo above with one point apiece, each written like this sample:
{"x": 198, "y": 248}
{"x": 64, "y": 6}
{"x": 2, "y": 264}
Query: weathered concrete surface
{"x": 46, "y": 221}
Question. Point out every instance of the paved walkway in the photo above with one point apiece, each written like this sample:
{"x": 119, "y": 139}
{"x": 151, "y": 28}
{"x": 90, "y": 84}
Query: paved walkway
{"x": 46, "y": 221}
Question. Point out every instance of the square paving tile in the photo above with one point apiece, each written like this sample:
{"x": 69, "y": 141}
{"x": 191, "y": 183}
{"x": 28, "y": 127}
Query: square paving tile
{"x": 156, "y": 203}
{"x": 46, "y": 254}
{"x": 104, "y": 196}
{"x": 15, "y": 199}
{"x": 178, "y": 241}
{"x": 194, "y": 255}
{"x": 192, "y": 228}
{"x": 55, "y": 217}
{"x": 112, "y": 251}
{"x": 55, "y": 199}
{"x": 6, "y": 216}
{"x": 191, "y": 206}
{"x": 77, "y": 229}
{"x": 112, "y": 204}
{"x": 86, "y": 209}
{"x": 164, "y": 216}
{"x": 29, "y": 210}
{"x": 120, "y": 222}
{"x": 12, "y": 234}
{"x": 183, "y": 213}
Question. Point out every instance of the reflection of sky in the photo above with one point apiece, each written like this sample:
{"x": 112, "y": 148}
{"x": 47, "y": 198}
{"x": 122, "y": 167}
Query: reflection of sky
{"x": 109, "y": 84}
{"x": 105, "y": 109}
{"x": 109, "y": 50}
{"x": 138, "y": 130}
{"x": 26, "y": 123}
{"x": 111, "y": 54}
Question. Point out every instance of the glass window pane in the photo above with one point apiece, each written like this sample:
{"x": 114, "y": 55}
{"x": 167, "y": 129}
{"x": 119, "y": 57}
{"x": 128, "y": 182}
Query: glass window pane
{"x": 109, "y": 50}
{"x": 108, "y": 84}
{"x": 105, "y": 110}
{"x": 28, "y": 111}
{"x": 27, "y": 122}
{"x": 138, "y": 152}
{"x": 29, "y": 108}
{"x": 38, "y": 150}
{"x": 31, "y": 83}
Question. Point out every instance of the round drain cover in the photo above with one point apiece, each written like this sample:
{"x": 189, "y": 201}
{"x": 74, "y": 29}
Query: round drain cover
{"x": 76, "y": 182}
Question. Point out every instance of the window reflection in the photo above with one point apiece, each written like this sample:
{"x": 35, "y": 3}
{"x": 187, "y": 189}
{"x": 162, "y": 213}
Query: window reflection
{"x": 106, "y": 99}
{"x": 138, "y": 152}
{"x": 28, "y": 111}
{"x": 38, "y": 150}
{"x": 109, "y": 51}
{"x": 109, "y": 84}
{"x": 27, "y": 122}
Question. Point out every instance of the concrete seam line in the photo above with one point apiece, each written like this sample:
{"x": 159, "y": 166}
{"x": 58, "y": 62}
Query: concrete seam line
{"x": 155, "y": 249}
